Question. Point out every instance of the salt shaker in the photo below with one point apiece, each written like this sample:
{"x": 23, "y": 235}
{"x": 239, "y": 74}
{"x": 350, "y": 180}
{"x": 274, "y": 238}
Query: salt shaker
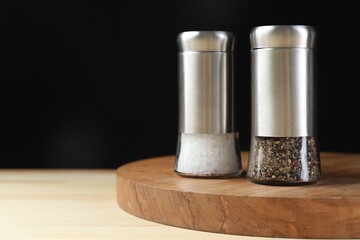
{"x": 284, "y": 145}
{"x": 208, "y": 139}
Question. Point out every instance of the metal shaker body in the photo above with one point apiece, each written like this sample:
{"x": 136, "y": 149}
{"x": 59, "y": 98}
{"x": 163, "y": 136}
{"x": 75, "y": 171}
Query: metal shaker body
{"x": 206, "y": 104}
{"x": 283, "y": 81}
{"x": 283, "y": 105}
{"x": 206, "y": 83}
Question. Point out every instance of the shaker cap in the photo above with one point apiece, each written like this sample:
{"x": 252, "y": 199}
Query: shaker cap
{"x": 206, "y": 41}
{"x": 282, "y": 36}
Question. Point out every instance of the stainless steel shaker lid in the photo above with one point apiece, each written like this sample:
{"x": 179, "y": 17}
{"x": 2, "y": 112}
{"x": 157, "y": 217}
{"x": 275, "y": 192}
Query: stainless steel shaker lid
{"x": 206, "y": 94}
{"x": 283, "y": 79}
{"x": 206, "y": 41}
{"x": 282, "y": 36}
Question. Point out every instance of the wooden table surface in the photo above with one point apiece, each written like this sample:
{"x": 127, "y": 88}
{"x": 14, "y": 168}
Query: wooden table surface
{"x": 76, "y": 204}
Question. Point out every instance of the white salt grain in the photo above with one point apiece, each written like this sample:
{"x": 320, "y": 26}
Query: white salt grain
{"x": 208, "y": 154}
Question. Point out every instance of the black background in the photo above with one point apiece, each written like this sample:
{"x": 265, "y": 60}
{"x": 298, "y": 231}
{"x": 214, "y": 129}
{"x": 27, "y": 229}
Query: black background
{"x": 93, "y": 84}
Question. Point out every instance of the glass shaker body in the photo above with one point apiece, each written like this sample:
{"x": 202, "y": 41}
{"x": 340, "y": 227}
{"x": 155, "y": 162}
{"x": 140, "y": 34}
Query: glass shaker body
{"x": 208, "y": 141}
{"x": 284, "y": 146}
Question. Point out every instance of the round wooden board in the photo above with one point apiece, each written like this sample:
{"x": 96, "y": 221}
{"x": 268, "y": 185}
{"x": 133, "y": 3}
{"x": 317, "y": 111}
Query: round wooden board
{"x": 150, "y": 189}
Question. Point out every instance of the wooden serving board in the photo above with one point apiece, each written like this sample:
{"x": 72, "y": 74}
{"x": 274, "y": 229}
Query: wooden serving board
{"x": 150, "y": 189}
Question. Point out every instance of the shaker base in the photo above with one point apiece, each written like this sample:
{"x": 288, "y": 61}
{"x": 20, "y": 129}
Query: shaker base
{"x": 280, "y": 183}
{"x": 226, "y": 175}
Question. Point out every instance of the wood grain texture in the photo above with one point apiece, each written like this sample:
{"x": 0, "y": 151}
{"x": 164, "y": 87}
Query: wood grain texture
{"x": 73, "y": 205}
{"x": 151, "y": 190}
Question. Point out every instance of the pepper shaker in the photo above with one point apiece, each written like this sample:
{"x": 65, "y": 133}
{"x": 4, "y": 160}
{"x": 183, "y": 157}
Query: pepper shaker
{"x": 284, "y": 145}
{"x": 208, "y": 139}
